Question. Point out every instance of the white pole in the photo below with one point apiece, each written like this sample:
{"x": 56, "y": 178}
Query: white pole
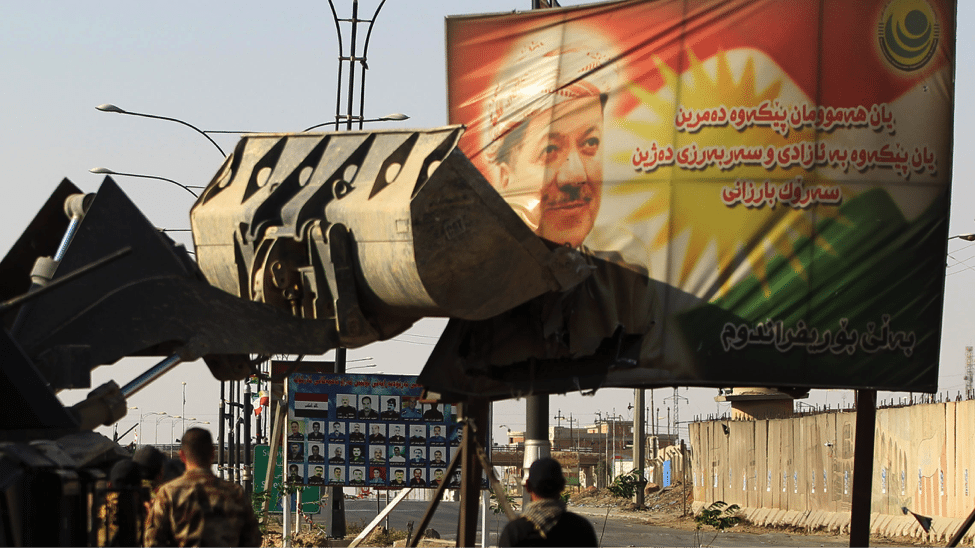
{"x": 484, "y": 517}
{"x": 297, "y": 512}
{"x": 286, "y": 520}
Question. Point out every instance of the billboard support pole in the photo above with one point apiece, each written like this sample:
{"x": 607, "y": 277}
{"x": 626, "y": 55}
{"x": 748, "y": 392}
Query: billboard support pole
{"x": 476, "y": 413}
{"x": 536, "y": 433}
{"x": 639, "y": 445}
{"x": 276, "y": 428}
{"x": 335, "y": 518}
{"x": 866, "y": 407}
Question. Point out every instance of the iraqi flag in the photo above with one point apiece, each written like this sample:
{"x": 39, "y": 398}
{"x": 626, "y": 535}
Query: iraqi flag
{"x": 314, "y": 406}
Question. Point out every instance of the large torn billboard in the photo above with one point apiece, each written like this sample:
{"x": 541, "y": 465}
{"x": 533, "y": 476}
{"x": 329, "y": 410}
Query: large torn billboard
{"x": 761, "y": 188}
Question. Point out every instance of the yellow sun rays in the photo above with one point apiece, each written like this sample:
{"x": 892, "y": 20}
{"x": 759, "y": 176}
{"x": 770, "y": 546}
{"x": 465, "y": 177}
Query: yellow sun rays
{"x": 690, "y": 199}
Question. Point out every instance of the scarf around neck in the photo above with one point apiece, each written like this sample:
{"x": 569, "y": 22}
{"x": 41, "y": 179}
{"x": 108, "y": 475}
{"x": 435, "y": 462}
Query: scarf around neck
{"x": 544, "y": 514}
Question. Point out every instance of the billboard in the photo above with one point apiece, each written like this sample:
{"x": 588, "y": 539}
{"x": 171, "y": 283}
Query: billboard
{"x": 367, "y": 431}
{"x": 761, "y": 189}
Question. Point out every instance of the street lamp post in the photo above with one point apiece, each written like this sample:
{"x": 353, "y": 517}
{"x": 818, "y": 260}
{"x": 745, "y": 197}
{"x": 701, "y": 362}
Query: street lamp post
{"x": 106, "y": 171}
{"x": 108, "y": 107}
{"x": 143, "y": 416}
{"x": 155, "y": 434}
{"x": 183, "y": 410}
{"x": 394, "y": 117}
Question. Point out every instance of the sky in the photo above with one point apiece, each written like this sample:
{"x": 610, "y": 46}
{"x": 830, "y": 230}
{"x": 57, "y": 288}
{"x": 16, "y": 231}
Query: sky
{"x": 244, "y": 65}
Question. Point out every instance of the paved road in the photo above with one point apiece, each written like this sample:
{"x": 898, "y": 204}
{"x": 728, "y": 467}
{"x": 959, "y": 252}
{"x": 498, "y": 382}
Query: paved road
{"x": 619, "y": 530}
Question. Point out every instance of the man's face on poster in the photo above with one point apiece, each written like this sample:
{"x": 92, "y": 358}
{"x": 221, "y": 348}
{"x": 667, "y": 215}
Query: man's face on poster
{"x": 294, "y": 427}
{"x": 376, "y": 474}
{"x": 316, "y": 427}
{"x": 319, "y": 471}
{"x": 559, "y": 156}
{"x": 366, "y": 404}
{"x": 293, "y": 469}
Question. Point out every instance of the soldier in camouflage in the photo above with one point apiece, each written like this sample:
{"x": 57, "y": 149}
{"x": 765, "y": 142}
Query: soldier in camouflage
{"x": 199, "y": 509}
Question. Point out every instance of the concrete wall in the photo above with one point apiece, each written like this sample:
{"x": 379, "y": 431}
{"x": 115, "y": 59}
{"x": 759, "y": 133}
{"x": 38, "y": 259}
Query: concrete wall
{"x": 799, "y": 471}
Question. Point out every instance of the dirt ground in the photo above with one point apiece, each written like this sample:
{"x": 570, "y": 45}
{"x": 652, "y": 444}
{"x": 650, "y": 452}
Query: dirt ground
{"x": 667, "y": 507}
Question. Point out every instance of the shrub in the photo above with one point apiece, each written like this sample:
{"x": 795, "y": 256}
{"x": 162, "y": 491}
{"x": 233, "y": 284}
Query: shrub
{"x": 625, "y": 485}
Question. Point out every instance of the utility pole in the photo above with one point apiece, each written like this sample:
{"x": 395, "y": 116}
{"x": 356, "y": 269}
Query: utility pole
{"x": 536, "y": 432}
{"x": 639, "y": 445}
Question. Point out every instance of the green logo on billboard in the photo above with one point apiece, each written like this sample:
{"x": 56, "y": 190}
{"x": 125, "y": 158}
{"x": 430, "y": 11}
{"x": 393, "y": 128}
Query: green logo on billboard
{"x": 908, "y": 33}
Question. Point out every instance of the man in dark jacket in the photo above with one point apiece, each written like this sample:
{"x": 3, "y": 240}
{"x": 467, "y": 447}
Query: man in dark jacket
{"x": 546, "y": 522}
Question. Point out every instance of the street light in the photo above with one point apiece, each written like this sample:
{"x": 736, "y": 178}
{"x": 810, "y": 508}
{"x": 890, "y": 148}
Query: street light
{"x": 108, "y": 107}
{"x": 183, "y": 410}
{"x": 155, "y": 433}
{"x": 143, "y": 416}
{"x": 394, "y": 117}
{"x": 106, "y": 171}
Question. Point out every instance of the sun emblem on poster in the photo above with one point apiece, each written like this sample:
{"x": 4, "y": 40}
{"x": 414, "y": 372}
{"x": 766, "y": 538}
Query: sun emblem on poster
{"x": 712, "y": 244}
{"x": 908, "y": 33}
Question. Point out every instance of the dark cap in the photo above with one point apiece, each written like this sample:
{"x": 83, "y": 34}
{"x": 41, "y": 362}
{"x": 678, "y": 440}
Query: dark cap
{"x": 150, "y": 461}
{"x": 545, "y": 478}
{"x": 125, "y": 474}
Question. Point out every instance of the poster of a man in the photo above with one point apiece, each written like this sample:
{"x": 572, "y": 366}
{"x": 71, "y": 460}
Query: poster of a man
{"x": 417, "y": 480}
{"x": 346, "y": 407}
{"x": 366, "y": 411}
{"x": 410, "y": 409}
{"x": 296, "y": 433}
{"x": 378, "y": 453}
{"x": 396, "y": 435}
{"x": 357, "y": 476}
{"x": 418, "y": 434}
{"x": 338, "y": 454}
{"x": 357, "y": 454}
{"x": 358, "y": 434}
{"x": 316, "y": 453}
{"x": 296, "y": 452}
{"x": 377, "y": 476}
{"x": 641, "y": 150}
{"x": 398, "y": 456}
{"x": 318, "y": 478}
{"x": 294, "y": 474}
{"x": 437, "y": 477}
{"x": 436, "y": 435}
{"x": 316, "y": 433}
{"x": 378, "y": 433}
{"x": 338, "y": 476}
{"x": 399, "y": 477}
{"x": 432, "y": 412}
{"x": 338, "y": 432}
{"x": 391, "y": 412}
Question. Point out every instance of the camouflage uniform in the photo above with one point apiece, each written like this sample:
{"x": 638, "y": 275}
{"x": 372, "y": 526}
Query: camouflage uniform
{"x": 199, "y": 509}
